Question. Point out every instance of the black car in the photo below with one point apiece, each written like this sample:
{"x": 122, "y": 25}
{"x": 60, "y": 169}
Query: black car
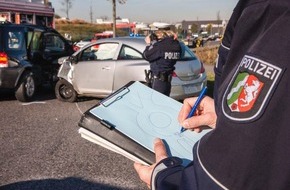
{"x": 28, "y": 57}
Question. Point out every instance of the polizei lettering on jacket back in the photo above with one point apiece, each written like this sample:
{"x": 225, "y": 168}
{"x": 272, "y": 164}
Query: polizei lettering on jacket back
{"x": 171, "y": 55}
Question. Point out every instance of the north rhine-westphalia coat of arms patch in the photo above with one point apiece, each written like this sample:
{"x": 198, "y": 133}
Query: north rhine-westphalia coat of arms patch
{"x": 250, "y": 89}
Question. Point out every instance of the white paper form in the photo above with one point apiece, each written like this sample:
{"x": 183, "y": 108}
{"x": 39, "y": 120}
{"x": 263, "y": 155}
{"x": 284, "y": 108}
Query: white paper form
{"x": 144, "y": 114}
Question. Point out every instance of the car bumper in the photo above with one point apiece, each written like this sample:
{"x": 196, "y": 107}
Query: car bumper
{"x": 9, "y": 77}
{"x": 181, "y": 90}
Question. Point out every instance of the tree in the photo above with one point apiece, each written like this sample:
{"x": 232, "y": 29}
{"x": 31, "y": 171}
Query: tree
{"x": 114, "y": 14}
{"x": 67, "y": 6}
{"x": 56, "y": 16}
{"x": 105, "y": 18}
{"x": 179, "y": 29}
{"x": 218, "y": 18}
{"x": 209, "y": 29}
{"x": 91, "y": 12}
{"x": 194, "y": 28}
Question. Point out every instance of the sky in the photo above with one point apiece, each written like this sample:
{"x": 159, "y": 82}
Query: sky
{"x": 149, "y": 11}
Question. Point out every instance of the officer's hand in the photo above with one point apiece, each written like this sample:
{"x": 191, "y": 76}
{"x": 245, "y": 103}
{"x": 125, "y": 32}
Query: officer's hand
{"x": 204, "y": 116}
{"x": 147, "y": 39}
{"x": 145, "y": 172}
{"x": 175, "y": 37}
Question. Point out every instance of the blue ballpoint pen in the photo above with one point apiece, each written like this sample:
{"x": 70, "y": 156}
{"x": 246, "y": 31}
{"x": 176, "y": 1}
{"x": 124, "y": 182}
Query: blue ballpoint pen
{"x": 202, "y": 93}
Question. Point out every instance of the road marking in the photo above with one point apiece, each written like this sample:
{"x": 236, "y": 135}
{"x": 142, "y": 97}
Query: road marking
{"x": 29, "y": 103}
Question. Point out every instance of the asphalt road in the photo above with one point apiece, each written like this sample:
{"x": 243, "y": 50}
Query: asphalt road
{"x": 40, "y": 149}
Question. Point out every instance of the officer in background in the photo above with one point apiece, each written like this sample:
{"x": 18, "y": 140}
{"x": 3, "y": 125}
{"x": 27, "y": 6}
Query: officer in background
{"x": 162, "y": 52}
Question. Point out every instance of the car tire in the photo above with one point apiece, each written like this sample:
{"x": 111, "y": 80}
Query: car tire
{"x": 65, "y": 92}
{"x": 26, "y": 88}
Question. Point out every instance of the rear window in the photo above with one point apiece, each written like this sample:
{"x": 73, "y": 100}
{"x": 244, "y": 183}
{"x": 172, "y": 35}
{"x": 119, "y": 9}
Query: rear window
{"x": 187, "y": 54}
{"x": 15, "y": 40}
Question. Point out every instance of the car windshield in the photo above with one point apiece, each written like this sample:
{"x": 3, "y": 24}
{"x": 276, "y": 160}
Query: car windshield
{"x": 104, "y": 51}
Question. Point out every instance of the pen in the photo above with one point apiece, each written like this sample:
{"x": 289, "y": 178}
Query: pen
{"x": 193, "y": 109}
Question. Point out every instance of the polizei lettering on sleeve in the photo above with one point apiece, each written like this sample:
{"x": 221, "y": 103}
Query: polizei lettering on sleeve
{"x": 260, "y": 68}
{"x": 171, "y": 55}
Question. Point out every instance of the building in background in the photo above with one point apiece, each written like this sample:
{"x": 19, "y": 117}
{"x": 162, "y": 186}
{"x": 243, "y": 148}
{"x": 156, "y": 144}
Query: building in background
{"x": 210, "y": 27}
{"x": 39, "y": 12}
{"x": 133, "y": 28}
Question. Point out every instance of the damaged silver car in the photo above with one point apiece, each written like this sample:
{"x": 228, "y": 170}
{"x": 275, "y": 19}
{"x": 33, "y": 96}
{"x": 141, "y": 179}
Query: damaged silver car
{"x": 98, "y": 69}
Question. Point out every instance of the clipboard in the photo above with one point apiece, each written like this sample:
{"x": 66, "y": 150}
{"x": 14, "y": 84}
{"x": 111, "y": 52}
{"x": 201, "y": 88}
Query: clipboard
{"x": 128, "y": 121}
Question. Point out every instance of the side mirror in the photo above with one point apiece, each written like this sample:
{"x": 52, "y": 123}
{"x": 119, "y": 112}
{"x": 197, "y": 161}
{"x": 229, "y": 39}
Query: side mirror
{"x": 73, "y": 59}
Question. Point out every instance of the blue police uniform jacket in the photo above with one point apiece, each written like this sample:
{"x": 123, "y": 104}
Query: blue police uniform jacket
{"x": 250, "y": 146}
{"x": 162, "y": 55}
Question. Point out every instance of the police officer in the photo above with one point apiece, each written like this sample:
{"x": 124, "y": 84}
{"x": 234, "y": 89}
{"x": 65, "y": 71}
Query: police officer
{"x": 249, "y": 146}
{"x": 162, "y": 52}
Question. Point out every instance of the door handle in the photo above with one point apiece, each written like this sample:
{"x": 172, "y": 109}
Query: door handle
{"x": 106, "y": 68}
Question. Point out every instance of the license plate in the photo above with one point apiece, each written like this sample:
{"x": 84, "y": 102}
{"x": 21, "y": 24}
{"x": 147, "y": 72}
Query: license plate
{"x": 188, "y": 89}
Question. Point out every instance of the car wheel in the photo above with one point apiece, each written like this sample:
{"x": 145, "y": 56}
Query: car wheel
{"x": 26, "y": 88}
{"x": 65, "y": 92}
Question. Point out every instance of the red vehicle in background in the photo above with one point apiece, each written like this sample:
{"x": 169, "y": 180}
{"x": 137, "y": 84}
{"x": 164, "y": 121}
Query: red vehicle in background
{"x": 106, "y": 34}
{"x": 97, "y": 36}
